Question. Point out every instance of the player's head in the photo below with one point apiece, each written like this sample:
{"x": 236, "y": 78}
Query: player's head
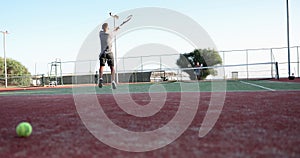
{"x": 105, "y": 27}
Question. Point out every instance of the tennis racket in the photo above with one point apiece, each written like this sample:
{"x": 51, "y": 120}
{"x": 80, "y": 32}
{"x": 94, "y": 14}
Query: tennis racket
{"x": 126, "y": 20}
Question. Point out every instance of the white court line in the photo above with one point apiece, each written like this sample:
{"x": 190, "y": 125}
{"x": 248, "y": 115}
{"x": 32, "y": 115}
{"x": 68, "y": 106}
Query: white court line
{"x": 255, "y": 85}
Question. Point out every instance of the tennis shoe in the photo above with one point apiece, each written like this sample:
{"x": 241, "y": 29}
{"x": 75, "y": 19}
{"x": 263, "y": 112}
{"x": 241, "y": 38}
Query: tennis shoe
{"x": 100, "y": 83}
{"x": 113, "y": 85}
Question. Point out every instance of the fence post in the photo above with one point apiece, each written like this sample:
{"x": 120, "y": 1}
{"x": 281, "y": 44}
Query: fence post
{"x": 123, "y": 62}
{"x": 247, "y": 64}
{"x": 160, "y": 63}
{"x": 223, "y": 58}
{"x": 141, "y": 74}
{"x": 271, "y": 55}
{"x": 75, "y": 74}
{"x": 61, "y": 74}
{"x": 223, "y": 63}
{"x": 141, "y": 63}
{"x": 298, "y": 61}
{"x": 177, "y": 75}
{"x": 124, "y": 71}
{"x": 90, "y": 73}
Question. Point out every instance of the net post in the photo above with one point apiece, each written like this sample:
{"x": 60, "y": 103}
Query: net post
{"x": 277, "y": 70}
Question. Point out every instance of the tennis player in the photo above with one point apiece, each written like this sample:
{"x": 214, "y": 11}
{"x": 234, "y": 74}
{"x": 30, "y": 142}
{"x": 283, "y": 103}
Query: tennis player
{"x": 106, "y": 54}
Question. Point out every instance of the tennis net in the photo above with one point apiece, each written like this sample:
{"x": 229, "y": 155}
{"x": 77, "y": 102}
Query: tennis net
{"x": 218, "y": 72}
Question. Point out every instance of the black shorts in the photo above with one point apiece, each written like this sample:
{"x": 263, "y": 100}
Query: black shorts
{"x": 107, "y": 57}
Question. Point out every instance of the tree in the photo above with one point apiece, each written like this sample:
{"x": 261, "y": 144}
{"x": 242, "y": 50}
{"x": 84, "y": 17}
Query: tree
{"x": 18, "y": 74}
{"x": 207, "y": 57}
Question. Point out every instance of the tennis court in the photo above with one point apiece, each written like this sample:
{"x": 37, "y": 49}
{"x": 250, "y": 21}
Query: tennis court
{"x": 260, "y": 118}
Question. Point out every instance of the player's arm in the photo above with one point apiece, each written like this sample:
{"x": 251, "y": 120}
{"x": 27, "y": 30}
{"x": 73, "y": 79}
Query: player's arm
{"x": 116, "y": 29}
{"x": 114, "y": 32}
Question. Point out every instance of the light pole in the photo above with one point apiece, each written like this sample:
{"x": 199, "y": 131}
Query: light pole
{"x": 288, "y": 38}
{"x": 5, "y": 66}
{"x": 115, "y": 17}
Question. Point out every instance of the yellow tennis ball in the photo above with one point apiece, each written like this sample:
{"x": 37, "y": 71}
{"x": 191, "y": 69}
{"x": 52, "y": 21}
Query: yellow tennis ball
{"x": 24, "y": 129}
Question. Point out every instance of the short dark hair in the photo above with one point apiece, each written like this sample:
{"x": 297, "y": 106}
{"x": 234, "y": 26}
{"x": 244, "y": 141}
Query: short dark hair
{"x": 105, "y": 25}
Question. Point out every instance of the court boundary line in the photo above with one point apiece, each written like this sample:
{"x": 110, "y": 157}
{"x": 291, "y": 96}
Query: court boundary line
{"x": 279, "y": 82}
{"x": 24, "y": 91}
{"x": 256, "y": 85}
{"x": 48, "y": 95}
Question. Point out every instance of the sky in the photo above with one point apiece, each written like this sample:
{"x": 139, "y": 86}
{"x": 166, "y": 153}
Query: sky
{"x": 41, "y": 31}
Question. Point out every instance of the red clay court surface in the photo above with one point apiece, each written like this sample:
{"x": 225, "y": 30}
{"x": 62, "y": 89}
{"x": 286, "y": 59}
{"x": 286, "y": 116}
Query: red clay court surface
{"x": 252, "y": 124}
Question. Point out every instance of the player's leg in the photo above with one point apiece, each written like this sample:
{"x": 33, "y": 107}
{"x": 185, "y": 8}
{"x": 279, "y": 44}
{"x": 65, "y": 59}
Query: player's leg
{"x": 100, "y": 82}
{"x": 113, "y": 83}
{"x": 110, "y": 62}
{"x": 112, "y": 71}
{"x": 101, "y": 69}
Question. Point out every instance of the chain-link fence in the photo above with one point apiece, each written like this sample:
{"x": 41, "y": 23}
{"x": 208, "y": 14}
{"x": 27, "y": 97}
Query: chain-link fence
{"x": 248, "y": 63}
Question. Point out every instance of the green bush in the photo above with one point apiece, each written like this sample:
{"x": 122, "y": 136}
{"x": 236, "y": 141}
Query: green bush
{"x": 18, "y": 74}
{"x": 207, "y": 57}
